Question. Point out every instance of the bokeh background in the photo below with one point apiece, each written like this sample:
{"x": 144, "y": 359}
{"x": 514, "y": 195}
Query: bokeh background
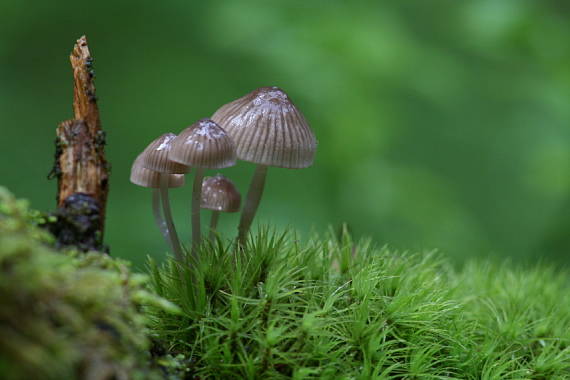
{"x": 441, "y": 124}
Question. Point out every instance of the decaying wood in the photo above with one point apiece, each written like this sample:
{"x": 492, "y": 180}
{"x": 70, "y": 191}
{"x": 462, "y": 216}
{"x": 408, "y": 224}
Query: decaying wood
{"x": 84, "y": 99}
{"x": 80, "y": 165}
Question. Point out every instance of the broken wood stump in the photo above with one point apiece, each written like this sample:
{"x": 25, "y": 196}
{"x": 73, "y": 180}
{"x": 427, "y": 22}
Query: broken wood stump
{"x": 80, "y": 166}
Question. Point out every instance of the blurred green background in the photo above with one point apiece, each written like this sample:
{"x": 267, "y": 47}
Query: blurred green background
{"x": 441, "y": 124}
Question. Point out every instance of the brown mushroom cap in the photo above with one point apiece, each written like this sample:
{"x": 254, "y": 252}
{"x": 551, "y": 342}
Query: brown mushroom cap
{"x": 204, "y": 144}
{"x": 149, "y": 178}
{"x": 155, "y": 156}
{"x": 268, "y": 129}
{"x": 220, "y": 194}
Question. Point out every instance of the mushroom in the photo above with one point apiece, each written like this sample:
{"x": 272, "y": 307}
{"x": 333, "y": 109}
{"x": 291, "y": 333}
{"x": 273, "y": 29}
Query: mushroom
{"x": 144, "y": 177}
{"x": 155, "y": 158}
{"x": 219, "y": 194}
{"x": 268, "y": 130}
{"x": 203, "y": 145}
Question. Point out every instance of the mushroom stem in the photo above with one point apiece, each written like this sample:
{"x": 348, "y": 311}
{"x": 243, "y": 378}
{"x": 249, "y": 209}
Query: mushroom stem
{"x": 252, "y": 202}
{"x": 172, "y": 235}
{"x": 158, "y": 218}
{"x": 214, "y": 224}
{"x": 196, "y": 198}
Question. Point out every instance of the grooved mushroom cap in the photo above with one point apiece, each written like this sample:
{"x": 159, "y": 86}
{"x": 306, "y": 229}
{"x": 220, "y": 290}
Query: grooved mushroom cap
{"x": 220, "y": 194}
{"x": 204, "y": 144}
{"x": 155, "y": 156}
{"x": 268, "y": 129}
{"x": 149, "y": 178}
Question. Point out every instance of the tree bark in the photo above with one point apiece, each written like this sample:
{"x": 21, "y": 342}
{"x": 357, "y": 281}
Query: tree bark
{"x": 80, "y": 165}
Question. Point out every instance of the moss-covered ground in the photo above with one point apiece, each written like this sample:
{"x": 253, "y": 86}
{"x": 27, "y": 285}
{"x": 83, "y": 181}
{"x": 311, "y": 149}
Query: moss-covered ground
{"x": 68, "y": 315}
{"x": 335, "y": 309}
{"x": 328, "y": 308}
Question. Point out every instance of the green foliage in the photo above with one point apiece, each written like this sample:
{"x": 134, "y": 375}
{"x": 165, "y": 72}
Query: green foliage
{"x": 67, "y": 315}
{"x": 335, "y": 309}
{"x": 455, "y": 111}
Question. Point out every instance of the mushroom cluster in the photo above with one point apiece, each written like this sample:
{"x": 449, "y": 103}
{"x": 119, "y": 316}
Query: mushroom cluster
{"x": 263, "y": 127}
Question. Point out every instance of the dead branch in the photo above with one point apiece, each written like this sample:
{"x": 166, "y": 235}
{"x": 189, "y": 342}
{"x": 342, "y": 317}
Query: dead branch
{"x": 80, "y": 167}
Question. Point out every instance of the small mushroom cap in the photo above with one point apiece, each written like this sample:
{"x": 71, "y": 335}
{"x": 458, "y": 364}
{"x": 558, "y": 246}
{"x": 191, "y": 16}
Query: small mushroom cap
{"x": 220, "y": 194}
{"x": 149, "y": 178}
{"x": 268, "y": 129}
{"x": 204, "y": 144}
{"x": 155, "y": 156}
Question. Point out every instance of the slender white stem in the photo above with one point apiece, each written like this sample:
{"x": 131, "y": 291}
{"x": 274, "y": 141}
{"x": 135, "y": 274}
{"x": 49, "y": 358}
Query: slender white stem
{"x": 196, "y": 198}
{"x": 168, "y": 217}
{"x": 158, "y": 218}
{"x": 214, "y": 224}
{"x": 251, "y": 203}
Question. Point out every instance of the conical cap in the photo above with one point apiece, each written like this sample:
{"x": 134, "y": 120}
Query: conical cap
{"x": 268, "y": 129}
{"x": 220, "y": 194}
{"x": 155, "y": 156}
{"x": 149, "y": 178}
{"x": 204, "y": 144}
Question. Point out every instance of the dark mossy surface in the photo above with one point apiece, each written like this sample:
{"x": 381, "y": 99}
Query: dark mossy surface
{"x": 77, "y": 223}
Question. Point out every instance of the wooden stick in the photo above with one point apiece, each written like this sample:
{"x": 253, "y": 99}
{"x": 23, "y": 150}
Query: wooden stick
{"x": 80, "y": 167}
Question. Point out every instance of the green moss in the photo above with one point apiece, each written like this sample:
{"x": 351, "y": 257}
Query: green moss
{"x": 67, "y": 315}
{"x": 344, "y": 310}
{"x": 324, "y": 309}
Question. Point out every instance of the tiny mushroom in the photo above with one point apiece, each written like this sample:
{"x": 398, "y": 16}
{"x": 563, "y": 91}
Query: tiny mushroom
{"x": 155, "y": 158}
{"x": 203, "y": 145}
{"x": 268, "y": 130}
{"x": 144, "y": 177}
{"x": 219, "y": 194}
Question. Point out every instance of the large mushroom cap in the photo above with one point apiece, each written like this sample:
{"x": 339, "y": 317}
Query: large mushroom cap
{"x": 220, "y": 194}
{"x": 204, "y": 144}
{"x": 268, "y": 129}
{"x": 149, "y": 178}
{"x": 155, "y": 156}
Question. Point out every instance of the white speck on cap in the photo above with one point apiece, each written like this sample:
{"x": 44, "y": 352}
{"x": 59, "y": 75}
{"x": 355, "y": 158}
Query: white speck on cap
{"x": 268, "y": 129}
{"x": 155, "y": 156}
{"x": 204, "y": 144}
